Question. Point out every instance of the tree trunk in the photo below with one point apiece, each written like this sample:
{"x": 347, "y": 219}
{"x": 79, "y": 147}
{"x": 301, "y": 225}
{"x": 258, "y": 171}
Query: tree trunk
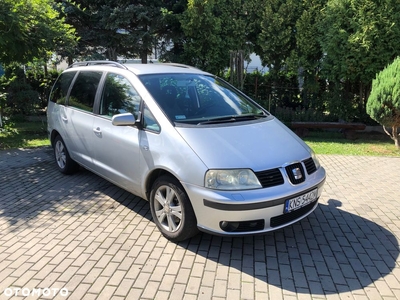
{"x": 143, "y": 56}
{"x": 2, "y": 101}
{"x": 394, "y": 135}
{"x": 46, "y": 71}
{"x": 112, "y": 54}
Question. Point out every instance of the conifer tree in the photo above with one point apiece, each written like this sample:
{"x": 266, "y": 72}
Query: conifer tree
{"x": 384, "y": 101}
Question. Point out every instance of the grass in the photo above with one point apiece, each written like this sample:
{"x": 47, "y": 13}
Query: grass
{"x": 24, "y": 135}
{"x": 366, "y": 144}
{"x": 34, "y": 134}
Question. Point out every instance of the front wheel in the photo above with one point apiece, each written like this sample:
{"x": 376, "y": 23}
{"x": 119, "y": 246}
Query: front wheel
{"x": 171, "y": 209}
{"x": 64, "y": 162}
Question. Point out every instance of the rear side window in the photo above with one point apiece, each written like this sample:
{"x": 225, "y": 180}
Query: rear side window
{"x": 60, "y": 88}
{"x": 83, "y": 92}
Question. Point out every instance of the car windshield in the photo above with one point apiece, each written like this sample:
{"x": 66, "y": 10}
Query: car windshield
{"x": 200, "y": 99}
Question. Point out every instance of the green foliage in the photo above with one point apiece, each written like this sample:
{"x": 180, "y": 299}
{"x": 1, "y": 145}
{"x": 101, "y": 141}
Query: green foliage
{"x": 109, "y": 29}
{"x": 384, "y": 101}
{"x": 322, "y": 55}
{"x": 25, "y": 89}
{"x": 359, "y": 37}
{"x": 204, "y": 39}
{"x": 41, "y": 81}
{"x": 212, "y": 29}
{"x": 288, "y": 115}
{"x": 21, "y": 133}
{"x": 7, "y": 128}
{"x": 31, "y": 29}
{"x": 273, "y": 92}
{"x": 335, "y": 47}
{"x": 257, "y": 86}
{"x": 278, "y": 34}
{"x": 308, "y": 51}
{"x": 307, "y": 55}
{"x": 340, "y": 103}
{"x": 171, "y": 32}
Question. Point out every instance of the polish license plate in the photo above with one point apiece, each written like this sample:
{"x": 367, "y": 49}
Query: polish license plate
{"x": 300, "y": 201}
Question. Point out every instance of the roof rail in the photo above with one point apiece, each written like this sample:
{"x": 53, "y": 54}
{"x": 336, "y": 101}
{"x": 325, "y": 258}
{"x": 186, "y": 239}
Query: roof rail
{"x": 98, "y": 62}
{"x": 179, "y": 65}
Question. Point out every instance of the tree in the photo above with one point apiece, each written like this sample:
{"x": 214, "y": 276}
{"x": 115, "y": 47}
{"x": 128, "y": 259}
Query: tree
{"x": 138, "y": 20}
{"x": 358, "y": 39}
{"x": 31, "y": 29}
{"x": 109, "y": 29}
{"x": 277, "y": 41}
{"x": 170, "y": 34}
{"x": 307, "y": 56}
{"x": 212, "y": 29}
{"x": 384, "y": 101}
{"x": 278, "y": 34}
{"x": 202, "y": 47}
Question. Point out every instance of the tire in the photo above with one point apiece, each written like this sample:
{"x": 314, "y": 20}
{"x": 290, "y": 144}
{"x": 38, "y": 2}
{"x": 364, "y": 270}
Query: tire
{"x": 171, "y": 209}
{"x": 64, "y": 162}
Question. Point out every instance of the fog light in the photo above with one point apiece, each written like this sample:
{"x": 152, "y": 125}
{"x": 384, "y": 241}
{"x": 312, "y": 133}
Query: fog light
{"x": 242, "y": 226}
{"x": 229, "y": 226}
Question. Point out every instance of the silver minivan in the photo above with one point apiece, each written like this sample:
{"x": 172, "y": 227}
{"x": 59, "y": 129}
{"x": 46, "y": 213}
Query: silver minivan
{"x": 204, "y": 155}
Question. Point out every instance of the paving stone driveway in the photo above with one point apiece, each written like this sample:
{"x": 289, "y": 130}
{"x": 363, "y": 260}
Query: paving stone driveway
{"x": 95, "y": 241}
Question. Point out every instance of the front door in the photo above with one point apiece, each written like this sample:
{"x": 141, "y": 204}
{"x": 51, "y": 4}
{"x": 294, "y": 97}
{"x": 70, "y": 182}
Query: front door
{"x": 117, "y": 152}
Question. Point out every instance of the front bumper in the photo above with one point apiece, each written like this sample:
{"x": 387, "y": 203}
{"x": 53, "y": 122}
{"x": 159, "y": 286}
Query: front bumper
{"x": 236, "y": 213}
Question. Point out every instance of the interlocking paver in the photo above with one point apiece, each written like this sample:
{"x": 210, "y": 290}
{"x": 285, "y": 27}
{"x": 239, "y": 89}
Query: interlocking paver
{"x": 98, "y": 241}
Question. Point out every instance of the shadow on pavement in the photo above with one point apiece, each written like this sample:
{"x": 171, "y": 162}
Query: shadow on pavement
{"x": 332, "y": 251}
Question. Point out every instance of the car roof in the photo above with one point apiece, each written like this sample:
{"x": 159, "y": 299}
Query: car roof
{"x": 138, "y": 69}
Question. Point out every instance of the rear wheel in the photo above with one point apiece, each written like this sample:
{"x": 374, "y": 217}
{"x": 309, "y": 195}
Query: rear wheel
{"x": 64, "y": 162}
{"x": 171, "y": 209}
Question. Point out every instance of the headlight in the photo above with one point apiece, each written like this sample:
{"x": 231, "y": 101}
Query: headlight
{"x": 315, "y": 159}
{"x": 240, "y": 179}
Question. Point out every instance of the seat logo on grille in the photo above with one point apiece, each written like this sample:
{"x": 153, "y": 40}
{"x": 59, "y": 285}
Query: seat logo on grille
{"x": 297, "y": 173}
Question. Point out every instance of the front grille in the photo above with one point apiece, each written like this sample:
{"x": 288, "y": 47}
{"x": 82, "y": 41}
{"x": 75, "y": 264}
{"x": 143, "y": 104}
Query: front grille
{"x": 296, "y": 173}
{"x": 270, "y": 178}
{"x": 310, "y": 165}
{"x": 286, "y": 218}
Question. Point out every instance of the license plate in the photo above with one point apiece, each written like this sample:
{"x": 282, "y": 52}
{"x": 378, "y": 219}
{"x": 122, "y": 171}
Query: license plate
{"x": 300, "y": 201}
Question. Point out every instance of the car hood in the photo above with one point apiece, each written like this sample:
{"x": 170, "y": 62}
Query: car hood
{"x": 257, "y": 145}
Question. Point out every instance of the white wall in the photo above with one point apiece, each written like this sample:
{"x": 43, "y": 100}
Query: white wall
{"x": 255, "y": 64}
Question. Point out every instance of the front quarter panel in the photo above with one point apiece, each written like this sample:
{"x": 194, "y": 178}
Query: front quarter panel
{"x": 169, "y": 152}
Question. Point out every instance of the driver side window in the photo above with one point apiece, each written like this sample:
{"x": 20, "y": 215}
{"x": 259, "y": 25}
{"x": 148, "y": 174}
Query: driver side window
{"x": 119, "y": 96}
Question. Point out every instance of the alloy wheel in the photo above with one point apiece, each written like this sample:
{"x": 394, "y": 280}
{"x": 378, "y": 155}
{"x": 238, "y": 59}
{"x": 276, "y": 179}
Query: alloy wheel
{"x": 60, "y": 154}
{"x": 168, "y": 209}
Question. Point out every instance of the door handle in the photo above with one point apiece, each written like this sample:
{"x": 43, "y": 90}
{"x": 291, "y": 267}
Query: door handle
{"x": 97, "y": 130}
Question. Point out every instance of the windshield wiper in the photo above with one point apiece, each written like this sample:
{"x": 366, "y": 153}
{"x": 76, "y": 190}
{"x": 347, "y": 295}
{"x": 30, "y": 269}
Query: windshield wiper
{"x": 235, "y": 118}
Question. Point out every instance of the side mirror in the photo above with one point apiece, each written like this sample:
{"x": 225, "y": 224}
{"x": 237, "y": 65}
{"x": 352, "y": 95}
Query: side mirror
{"x": 127, "y": 119}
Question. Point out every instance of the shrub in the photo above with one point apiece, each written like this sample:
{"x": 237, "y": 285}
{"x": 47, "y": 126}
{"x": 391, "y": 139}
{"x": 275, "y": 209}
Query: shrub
{"x": 384, "y": 101}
